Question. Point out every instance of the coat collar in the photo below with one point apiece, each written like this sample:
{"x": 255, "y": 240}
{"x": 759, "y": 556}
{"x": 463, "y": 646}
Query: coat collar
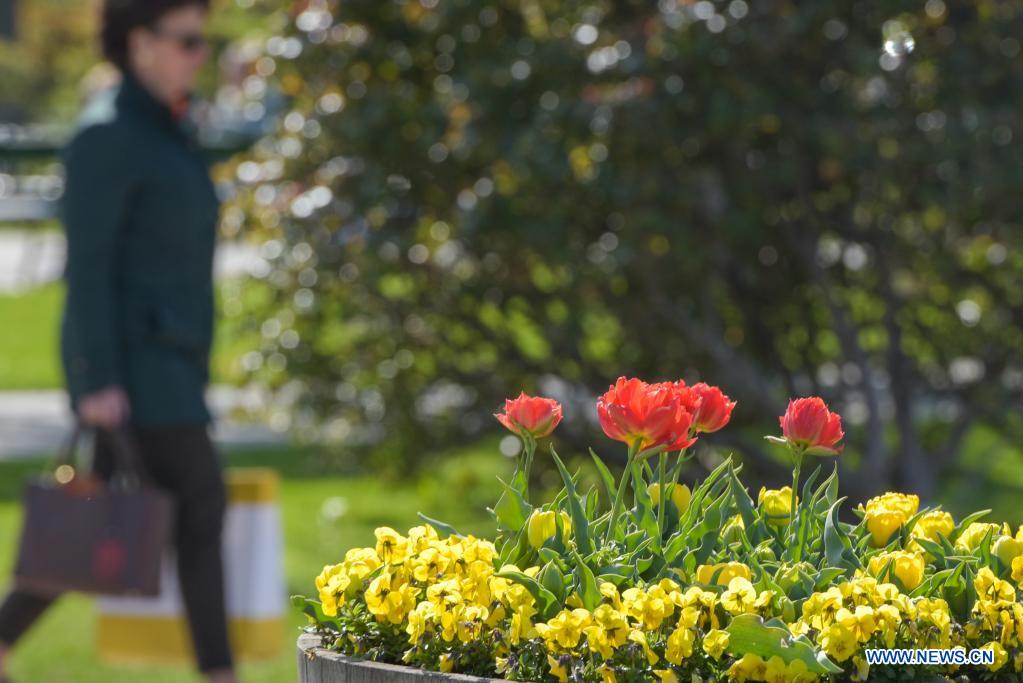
{"x": 136, "y": 98}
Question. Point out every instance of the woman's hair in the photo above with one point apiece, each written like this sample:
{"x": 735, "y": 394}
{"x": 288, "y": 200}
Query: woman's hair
{"x": 121, "y": 17}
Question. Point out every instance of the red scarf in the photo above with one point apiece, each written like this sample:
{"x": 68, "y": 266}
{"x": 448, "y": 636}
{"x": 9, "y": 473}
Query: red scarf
{"x": 180, "y": 108}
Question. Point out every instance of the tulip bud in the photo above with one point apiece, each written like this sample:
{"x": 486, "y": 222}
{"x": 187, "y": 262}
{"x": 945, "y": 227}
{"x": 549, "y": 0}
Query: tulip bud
{"x": 907, "y": 567}
{"x": 788, "y": 609}
{"x": 882, "y": 523}
{"x": 1007, "y": 549}
{"x": 725, "y": 571}
{"x": 733, "y": 530}
{"x": 808, "y": 425}
{"x": 680, "y": 496}
{"x": 777, "y": 504}
{"x": 533, "y": 415}
{"x": 789, "y": 576}
{"x": 541, "y": 527}
{"x": 566, "y": 525}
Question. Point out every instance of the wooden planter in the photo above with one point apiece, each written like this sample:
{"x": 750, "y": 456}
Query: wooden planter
{"x": 319, "y": 665}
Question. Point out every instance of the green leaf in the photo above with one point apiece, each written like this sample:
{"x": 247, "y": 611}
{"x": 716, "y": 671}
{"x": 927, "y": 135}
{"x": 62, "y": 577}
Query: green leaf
{"x": 553, "y": 580}
{"x": 586, "y": 584}
{"x": 967, "y": 521}
{"x": 825, "y": 577}
{"x": 592, "y": 503}
{"x": 313, "y": 609}
{"x": 440, "y": 526}
{"x": 616, "y": 573}
{"x": 748, "y": 633}
{"x": 580, "y": 525}
{"x": 646, "y": 515}
{"x": 935, "y": 549}
{"x": 837, "y": 546}
{"x": 605, "y": 476}
{"x": 513, "y": 551}
{"x": 985, "y": 547}
{"x": 742, "y": 500}
{"x": 545, "y": 600}
{"x": 512, "y": 510}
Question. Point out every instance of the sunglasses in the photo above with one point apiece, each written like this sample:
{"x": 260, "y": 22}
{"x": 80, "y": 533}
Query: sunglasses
{"x": 189, "y": 42}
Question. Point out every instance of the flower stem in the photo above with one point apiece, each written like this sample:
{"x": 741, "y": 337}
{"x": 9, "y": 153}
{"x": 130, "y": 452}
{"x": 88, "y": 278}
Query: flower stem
{"x": 612, "y": 523}
{"x": 795, "y": 487}
{"x": 662, "y": 458}
{"x": 529, "y": 449}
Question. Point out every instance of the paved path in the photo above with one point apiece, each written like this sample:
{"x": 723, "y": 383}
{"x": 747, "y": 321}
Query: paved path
{"x": 29, "y": 258}
{"x": 34, "y": 423}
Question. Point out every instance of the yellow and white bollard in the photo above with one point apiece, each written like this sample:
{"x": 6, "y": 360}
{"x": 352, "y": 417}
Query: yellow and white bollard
{"x": 154, "y": 630}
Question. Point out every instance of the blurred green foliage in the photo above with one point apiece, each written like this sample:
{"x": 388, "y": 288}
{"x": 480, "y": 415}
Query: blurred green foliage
{"x": 44, "y": 71}
{"x": 477, "y": 196}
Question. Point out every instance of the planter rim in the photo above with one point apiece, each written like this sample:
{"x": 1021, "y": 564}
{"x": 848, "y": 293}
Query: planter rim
{"x": 310, "y": 646}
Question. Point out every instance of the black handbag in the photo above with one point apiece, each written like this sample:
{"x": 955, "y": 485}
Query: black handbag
{"x": 81, "y": 533}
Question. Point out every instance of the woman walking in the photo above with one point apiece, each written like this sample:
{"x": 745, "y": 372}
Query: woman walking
{"x": 140, "y": 214}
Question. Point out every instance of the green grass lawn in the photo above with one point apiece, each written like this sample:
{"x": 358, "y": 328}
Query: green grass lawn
{"x": 28, "y": 346}
{"x": 59, "y": 648}
{"x": 30, "y": 350}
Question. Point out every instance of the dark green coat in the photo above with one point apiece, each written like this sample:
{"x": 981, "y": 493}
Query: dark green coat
{"x": 140, "y": 213}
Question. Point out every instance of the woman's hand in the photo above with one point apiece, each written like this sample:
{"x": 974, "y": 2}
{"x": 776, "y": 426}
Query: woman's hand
{"x": 107, "y": 408}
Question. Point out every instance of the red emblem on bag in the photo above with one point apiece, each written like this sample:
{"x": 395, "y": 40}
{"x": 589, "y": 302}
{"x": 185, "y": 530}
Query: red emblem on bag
{"x": 108, "y": 559}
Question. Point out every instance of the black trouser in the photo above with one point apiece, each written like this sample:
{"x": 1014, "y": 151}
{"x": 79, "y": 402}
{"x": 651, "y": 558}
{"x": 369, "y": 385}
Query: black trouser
{"x": 183, "y": 461}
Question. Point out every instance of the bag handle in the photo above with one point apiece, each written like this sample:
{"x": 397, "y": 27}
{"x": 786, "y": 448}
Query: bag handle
{"x": 129, "y": 470}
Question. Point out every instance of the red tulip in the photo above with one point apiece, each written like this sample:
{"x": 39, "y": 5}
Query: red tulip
{"x": 652, "y": 414}
{"x": 715, "y": 408}
{"x": 534, "y": 415}
{"x": 808, "y": 424}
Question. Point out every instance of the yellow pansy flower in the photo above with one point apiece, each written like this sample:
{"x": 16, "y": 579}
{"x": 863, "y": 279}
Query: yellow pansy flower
{"x": 680, "y": 645}
{"x": 859, "y": 622}
{"x": 565, "y": 629}
{"x": 559, "y": 667}
{"x": 1017, "y": 570}
{"x": 391, "y": 546}
{"x": 388, "y": 598}
{"x": 637, "y": 636}
{"x": 748, "y": 668}
{"x": 651, "y": 606}
{"x": 740, "y": 597}
{"x": 609, "y": 630}
{"x": 607, "y": 673}
{"x": 715, "y": 642}
{"x": 331, "y": 585}
{"x": 419, "y": 620}
{"x": 1001, "y": 656}
{"x": 839, "y": 642}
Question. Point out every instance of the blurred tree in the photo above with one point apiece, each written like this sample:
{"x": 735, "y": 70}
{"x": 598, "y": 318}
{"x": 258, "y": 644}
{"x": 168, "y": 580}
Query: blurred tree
{"x": 55, "y": 47}
{"x": 7, "y": 24}
{"x": 473, "y": 196}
